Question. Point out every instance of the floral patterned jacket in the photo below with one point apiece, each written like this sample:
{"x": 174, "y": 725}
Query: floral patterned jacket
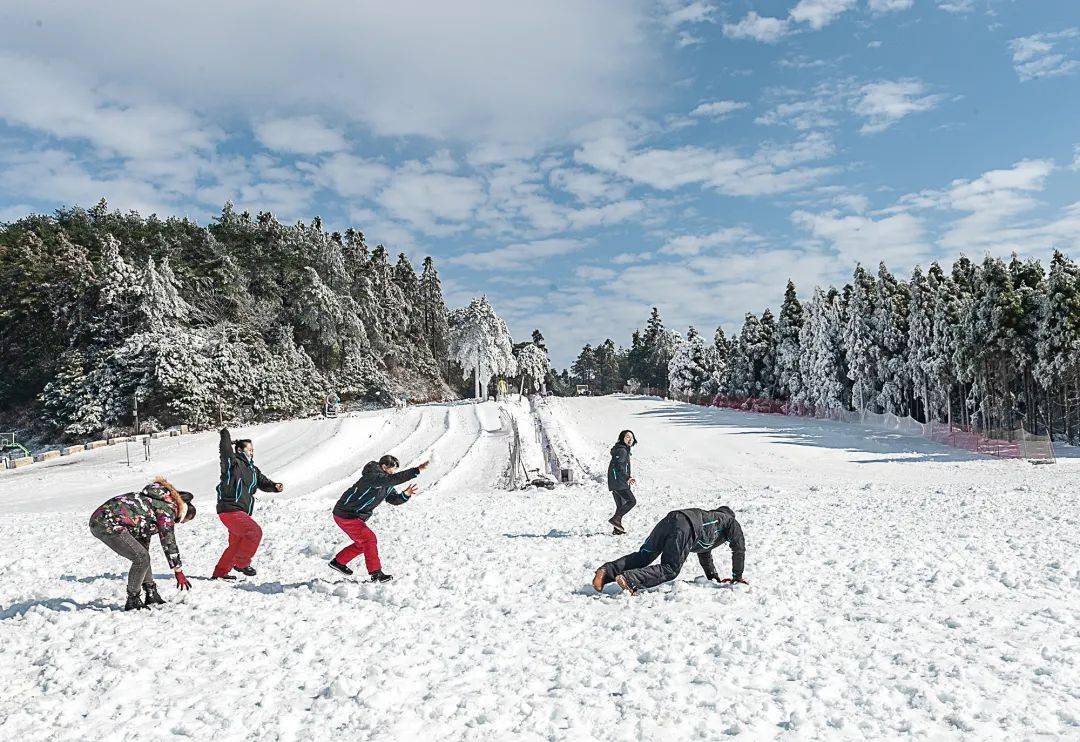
{"x": 142, "y": 514}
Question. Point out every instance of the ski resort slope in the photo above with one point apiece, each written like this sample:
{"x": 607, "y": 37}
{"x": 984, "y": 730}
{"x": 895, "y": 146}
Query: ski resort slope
{"x": 898, "y": 589}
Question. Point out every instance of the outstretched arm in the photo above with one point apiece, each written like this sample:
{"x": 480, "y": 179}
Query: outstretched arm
{"x": 265, "y": 484}
{"x": 404, "y": 475}
{"x": 400, "y": 498}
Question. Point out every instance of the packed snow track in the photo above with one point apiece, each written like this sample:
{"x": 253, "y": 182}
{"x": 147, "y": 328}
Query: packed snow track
{"x": 898, "y": 589}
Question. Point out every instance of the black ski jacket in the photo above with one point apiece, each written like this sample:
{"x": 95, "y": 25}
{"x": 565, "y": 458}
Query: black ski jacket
{"x": 373, "y": 486}
{"x": 712, "y": 528}
{"x": 239, "y": 479}
{"x": 618, "y": 473}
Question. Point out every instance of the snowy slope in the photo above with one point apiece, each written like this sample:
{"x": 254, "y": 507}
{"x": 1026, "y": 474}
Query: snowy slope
{"x": 898, "y": 589}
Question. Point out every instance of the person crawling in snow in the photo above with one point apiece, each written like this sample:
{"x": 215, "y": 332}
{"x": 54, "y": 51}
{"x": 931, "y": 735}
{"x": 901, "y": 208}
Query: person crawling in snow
{"x": 125, "y": 524}
{"x": 619, "y": 480}
{"x": 377, "y": 483}
{"x": 672, "y": 539}
{"x": 236, "y": 504}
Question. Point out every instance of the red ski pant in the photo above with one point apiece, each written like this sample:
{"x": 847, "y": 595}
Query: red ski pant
{"x": 363, "y": 542}
{"x": 244, "y": 537}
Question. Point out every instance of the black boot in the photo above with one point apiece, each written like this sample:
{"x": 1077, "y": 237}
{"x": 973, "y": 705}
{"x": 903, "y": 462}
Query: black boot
{"x": 134, "y": 602}
{"x": 152, "y": 596}
{"x": 249, "y": 571}
{"x": 335, "y": 565}
{"x": 380, "y": 576}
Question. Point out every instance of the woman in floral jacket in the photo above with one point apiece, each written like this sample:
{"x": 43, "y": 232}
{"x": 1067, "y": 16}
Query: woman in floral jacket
{"x": 125, "y": 524}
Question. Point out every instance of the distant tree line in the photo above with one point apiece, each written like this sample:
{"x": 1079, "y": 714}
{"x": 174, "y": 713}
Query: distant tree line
{"x": 993, "y": 345}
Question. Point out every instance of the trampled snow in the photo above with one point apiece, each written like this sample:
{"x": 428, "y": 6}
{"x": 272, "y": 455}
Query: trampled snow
{"x": 898, "y": 588}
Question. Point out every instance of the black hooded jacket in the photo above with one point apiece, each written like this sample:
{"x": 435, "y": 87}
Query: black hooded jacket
{"x": 618, "y": 474}
{"x": 239, "y": 479}
{"x": 373, "y": 486}
{"x": 712, "y": 528}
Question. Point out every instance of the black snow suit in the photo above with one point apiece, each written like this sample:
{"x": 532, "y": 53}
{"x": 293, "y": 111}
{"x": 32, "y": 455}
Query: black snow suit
{"x": 373, "y": 486}
{"x": 676, "y": 536}
{"x": 618, "y": 478}
{"x": 239, "y": 479}
{"x": 618, "y": 473}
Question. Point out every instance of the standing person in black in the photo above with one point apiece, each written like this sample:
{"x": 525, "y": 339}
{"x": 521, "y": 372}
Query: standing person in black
{"x": 672, "y": 540}
{"x": 619, "y": 479}
{"x": 236, "y": 503}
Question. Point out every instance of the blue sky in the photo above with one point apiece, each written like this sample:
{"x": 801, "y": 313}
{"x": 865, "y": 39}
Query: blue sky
{"x": 576, "y": 162}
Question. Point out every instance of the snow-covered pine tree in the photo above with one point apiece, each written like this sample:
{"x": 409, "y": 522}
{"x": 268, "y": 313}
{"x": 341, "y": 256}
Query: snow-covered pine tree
{"x": 70, "y": 399}
{"x": 608, "y": 377}
{"x": 433, "y": 312}
{"x": 828, "y": 354}
{"x": 861, "y": 340}
{"x": 920, "y": 353}
{"x": 687, "y": 372}
{"x": 1028, "y": 280}
{"x": 481, "y": 344}
{"x": 1059, "y": 342}
{"x": 891, "y": 318}
{"x": 941, "y": 374}
{"x": 767, "y": 374}
{"x": 787, "y": 352}
{"x": 533, "y": 365}
{"x": 657, "y": 350}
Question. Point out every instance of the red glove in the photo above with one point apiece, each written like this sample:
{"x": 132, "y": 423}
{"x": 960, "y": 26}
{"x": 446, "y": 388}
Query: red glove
{"x": 733, "y": 580}
{"x": 182, "y": 582}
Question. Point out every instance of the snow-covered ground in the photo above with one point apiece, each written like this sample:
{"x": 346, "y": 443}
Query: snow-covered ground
{"x": 898, "y": 589}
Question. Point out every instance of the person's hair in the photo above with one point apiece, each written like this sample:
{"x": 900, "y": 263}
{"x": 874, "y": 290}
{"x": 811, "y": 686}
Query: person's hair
{"x": 186, "y": 496}
{"x": 389, "y": 460}
{"x": 623, "y": 435}
{"x": 190, "y": 513}
{"x": 241, "y": 444}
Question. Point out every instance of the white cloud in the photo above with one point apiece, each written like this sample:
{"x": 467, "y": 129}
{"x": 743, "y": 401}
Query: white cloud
{"x": 520, "y": 256}
{"x": 899, "y": 239}
{"x": 477, "y": 71}
{"x": 302, "y": 135}
{"x": 814, "y": 113}
{"x": 819, "y": 13}
{"x": 759, "y": 28}
{"x": 690, "y": 244}
{"x": 627, "y": 258}
{"x": 718, "y": 109}
{"x": 1076, "y": 157}
{"x": 63, "y": 101}
{"x": 677, "y": 13}
{"x": 1046, "y": 54}
{"x": 593, "y": 273}
{"x": 955, "y": 6}
{"x": 348, "y": 175}
{"x": 435, "y": 203}
{"x": 884, "y": 103}
{"x": 889, "y": 6}
{"x": 767, "y": 171}
{"x": 586, "y": 186}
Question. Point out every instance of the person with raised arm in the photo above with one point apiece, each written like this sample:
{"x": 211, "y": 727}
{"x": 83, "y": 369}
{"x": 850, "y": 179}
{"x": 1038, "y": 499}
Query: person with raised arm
{"x": 236, "y": 504}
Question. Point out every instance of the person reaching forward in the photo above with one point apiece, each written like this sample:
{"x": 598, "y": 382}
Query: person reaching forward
{"x": 357, "y": 504}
